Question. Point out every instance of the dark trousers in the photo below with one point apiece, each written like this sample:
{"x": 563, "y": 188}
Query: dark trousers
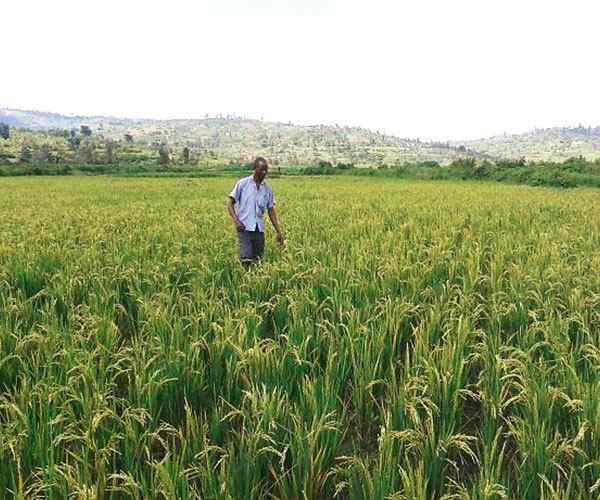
{"x": 252, "y": 245}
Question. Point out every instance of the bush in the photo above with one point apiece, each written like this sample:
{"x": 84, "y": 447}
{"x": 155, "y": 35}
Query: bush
{"x": 427, "y": 164}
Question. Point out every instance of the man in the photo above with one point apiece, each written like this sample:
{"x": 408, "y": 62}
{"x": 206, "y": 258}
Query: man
{"x": 247, "y": 204}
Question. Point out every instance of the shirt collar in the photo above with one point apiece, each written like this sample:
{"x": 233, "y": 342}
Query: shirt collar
{"x": 262, "y": 183}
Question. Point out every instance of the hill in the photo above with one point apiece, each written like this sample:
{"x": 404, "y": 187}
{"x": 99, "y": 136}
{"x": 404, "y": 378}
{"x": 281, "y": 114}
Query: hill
{"x": 549, "y": 144}
{"x": 233, "y": 138}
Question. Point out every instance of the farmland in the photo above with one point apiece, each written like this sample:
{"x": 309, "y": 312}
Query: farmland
{"x": 413, "y": 340}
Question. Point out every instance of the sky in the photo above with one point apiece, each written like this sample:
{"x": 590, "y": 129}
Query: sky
{"x": 432, "y": 69}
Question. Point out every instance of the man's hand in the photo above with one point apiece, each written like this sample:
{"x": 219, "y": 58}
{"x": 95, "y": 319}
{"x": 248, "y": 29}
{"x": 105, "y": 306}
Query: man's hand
{"x": 280, "y": 238}
{"x": 239, "y": 225}
{"x": 273, "y": 217}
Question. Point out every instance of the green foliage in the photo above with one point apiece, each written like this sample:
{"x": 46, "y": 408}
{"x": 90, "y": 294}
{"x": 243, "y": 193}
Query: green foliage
{"x": 427, "y": 164}
{"x": 4, "y": 131}
{"x": 122, "y": 157}
{"x": 185, "y": 155}
{"x": 25, "y": 154}
{"x": 164, "y": 156}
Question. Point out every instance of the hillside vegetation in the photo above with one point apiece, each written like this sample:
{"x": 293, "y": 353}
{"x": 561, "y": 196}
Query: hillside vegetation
{"x": 223, "y": 139}
{"x": 33, "y": 143}
{"x": 551, "y": 144}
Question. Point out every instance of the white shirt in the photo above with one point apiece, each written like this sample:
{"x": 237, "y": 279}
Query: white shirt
{"x": 251, "y": 202}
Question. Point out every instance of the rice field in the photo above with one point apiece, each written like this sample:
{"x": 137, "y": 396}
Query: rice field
{"x": 414, "y": 340}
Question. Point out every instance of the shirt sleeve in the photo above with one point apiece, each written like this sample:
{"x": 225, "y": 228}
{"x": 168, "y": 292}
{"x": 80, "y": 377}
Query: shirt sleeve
{"x": 236, "y": 192}
{"x": 271, "y": 200}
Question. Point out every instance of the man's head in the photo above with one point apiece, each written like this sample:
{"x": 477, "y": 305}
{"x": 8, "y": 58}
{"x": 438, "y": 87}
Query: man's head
{"x": 261, "y": 168}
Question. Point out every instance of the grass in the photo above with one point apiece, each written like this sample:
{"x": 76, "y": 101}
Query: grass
{"x": 414, "y": 340}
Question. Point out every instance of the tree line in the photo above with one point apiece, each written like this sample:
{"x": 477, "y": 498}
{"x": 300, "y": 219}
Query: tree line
{"x": 83, "y": 146}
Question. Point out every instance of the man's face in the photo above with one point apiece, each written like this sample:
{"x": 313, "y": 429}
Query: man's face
{"x": 260, "y": 172}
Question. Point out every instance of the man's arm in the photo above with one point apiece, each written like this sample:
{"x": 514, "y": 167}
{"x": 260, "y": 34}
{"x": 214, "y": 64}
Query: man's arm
{"x": 238, "y": 223}
{"x": 275, "y": 222}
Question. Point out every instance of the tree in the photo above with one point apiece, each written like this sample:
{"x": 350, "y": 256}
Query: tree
{"x": 186, "y": 155}
{"x": 25, "y": 154}
{"x": 42, "y": 153}
{"x": 128, "y": 138}
{"x": 110, "y": 151}
{"x": 86, "y": 152}
{"x": 73, "y": 140}
{"x": 86, "y": 131}
{"x": 4, "y": 131}
{"x": 163, "y": 155}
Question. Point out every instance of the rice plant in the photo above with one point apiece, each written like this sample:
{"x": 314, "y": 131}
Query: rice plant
{"x": 414, "y": 340}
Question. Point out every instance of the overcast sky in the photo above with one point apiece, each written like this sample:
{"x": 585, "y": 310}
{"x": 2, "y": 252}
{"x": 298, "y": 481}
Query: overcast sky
{"x": 433, "y": 69}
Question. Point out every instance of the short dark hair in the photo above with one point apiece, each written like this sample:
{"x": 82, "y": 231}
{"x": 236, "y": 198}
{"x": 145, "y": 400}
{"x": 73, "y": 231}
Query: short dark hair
{"x": 258, "y": 161}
